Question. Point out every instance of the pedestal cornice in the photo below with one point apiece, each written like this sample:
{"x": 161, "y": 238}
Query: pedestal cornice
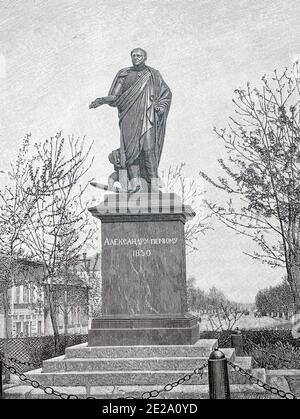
{"x": 142, "y": 208}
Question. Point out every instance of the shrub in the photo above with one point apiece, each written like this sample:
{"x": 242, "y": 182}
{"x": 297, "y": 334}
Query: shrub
{"x": 268, "y": 348}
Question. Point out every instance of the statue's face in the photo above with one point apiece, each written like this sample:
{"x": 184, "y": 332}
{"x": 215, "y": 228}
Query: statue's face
{"x": 138, "y": 57}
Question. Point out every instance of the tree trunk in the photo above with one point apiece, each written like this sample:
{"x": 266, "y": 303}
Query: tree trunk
{"x": 294, "y": 281}
{"x": 293, "y": 278}
{"x": 6, "y": 313}
{"x": 6, "y": 331}
{"x": 52, "y": 312}
{"x": 65, "y": 305}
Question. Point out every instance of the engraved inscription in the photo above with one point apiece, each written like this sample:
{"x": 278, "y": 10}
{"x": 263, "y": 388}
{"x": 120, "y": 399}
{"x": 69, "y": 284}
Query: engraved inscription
{"x": 141, "y": 241}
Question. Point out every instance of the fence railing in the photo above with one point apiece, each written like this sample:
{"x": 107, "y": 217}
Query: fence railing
{"x": 34, "y": 350}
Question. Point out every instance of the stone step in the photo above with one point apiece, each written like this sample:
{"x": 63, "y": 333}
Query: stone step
{"x": 127, "y": 364}
{"x": 238, "y": 391}
{"x": 62, "y": 363}
{"x": 203, "y": 347}
{"x": 122, "y": 378}
{"x": 110, "y": 378}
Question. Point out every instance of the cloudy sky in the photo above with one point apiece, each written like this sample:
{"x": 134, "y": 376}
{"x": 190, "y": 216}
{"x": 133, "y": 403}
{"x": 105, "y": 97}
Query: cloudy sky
{"x": 56, "y": 56}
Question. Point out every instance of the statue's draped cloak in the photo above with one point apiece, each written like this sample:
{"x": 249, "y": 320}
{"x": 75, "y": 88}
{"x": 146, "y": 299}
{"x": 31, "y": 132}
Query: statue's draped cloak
{"x": 137, "y": 115}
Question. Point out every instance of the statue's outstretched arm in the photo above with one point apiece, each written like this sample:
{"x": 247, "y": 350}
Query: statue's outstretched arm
{"x": 106, "y": 100}
{"x": 114, "y": 92}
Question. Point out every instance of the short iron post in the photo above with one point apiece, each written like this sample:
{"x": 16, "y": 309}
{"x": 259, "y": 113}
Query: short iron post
{"x": 237, "y": 342}
{"x": 218, "y": 377}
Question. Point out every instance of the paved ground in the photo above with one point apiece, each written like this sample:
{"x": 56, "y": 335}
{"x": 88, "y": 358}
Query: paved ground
{"x": 286, "y": 380}
{"x": 294, "y": 383}
{"x": 251, "y": 322}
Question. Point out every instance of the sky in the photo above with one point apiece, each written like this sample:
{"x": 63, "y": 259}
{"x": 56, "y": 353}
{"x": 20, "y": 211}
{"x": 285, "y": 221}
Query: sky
{"x": 56, "y": 56}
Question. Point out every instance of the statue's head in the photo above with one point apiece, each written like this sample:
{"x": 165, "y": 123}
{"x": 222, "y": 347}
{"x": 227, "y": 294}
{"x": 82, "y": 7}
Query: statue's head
{"x": 138, "y": 56}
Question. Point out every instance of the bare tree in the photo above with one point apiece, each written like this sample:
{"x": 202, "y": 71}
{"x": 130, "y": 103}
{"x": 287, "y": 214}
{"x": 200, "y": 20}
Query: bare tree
{"x": 277, "y": 299}
{"x": 59, "y": 229}
{"x": 68, "y": 298}
{"x": 262, "y": 172}
{"x": 82, "y": 289}
{"x": 16, "y": 206}
{"x": 226, "y": 317}
{"x": 190, "y": 194}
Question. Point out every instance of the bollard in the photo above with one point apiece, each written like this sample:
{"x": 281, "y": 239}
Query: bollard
{"x": 237, "y": 342}
{"x": 218, "y": 378}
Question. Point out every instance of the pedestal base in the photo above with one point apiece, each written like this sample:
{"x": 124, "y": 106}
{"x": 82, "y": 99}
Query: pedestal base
{"x": 123, "y": 330}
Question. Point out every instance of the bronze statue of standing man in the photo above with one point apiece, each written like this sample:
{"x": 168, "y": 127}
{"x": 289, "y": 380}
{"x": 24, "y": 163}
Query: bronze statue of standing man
{"x": 143, "y": 100}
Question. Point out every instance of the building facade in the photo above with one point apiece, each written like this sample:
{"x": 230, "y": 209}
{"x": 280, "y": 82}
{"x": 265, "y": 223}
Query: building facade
{"x": 29, "y": 316}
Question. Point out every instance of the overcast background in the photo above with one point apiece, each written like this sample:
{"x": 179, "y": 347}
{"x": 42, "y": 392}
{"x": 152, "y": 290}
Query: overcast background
{"x": 56, "y": 56}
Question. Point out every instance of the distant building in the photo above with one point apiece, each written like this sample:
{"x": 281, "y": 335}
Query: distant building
{"x": 29, "y": 313}
{"x": 72, "y": 313}
{"x": 25, "y": 320}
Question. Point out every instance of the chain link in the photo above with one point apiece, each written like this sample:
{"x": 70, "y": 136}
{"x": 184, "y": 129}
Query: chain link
{"x": 260, "y": 383}
{"x": 153, "y": 393}
{"x": 146, "y": 395}
{"x": 46, "y": 389}
{"x": 26, "y": 363}
{"x": 170, "y": 386}
{"x": 17, "y": 361}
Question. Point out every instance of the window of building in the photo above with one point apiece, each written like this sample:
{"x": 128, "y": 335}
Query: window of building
{"x": 61, "y": 319}
{"x": 39, "y": 328}
{"x": 26, "y": 329}
{"x": 31, "y": 293}
{"x": 18, "y": 329}
{"x": 17, "y": 295}
{"x": 78, "y": 316}
{"x": 25, "y": 294}
{"x": 73, "y": 316}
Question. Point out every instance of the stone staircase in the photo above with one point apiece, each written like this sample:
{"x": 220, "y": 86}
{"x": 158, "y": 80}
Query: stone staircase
{"x": 128, "y": 371}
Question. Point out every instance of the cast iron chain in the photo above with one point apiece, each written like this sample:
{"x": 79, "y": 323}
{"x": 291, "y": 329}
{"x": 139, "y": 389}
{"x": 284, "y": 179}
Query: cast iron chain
{"x": 260, "y": 383}
{"x": 146, "y": 395}
{"x": 16, "y": 361}
{"x": 153, "y": 393}
{"x": 169, "y": 387}
{"x": 28, "y": 364}
{"x": 46, "y": 389}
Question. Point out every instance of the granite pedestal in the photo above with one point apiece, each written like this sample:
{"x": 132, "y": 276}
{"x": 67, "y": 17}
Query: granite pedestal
{"x": 144, "y": 300}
